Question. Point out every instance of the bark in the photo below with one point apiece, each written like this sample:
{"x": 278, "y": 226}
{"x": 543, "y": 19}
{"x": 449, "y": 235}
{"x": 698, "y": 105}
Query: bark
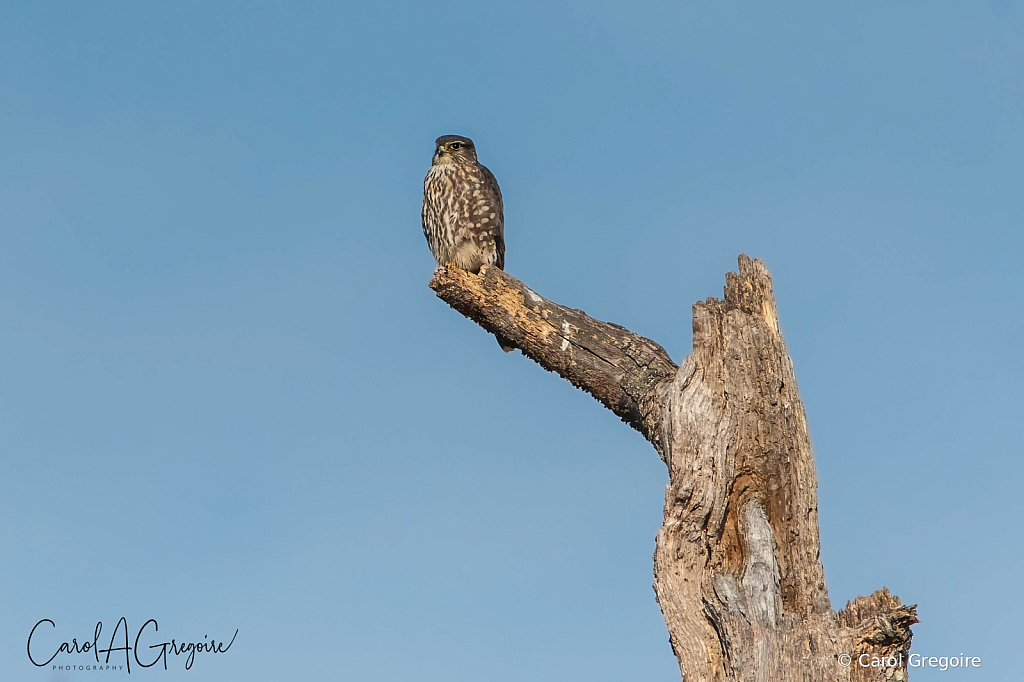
{"x": 737, "y": 562}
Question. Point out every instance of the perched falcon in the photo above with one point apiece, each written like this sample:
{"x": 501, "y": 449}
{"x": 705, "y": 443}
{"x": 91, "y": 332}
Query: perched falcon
{"x": 462, "y": 211}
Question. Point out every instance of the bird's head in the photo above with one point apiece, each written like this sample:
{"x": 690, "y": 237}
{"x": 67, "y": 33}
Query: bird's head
{"x": 454, "y": 149}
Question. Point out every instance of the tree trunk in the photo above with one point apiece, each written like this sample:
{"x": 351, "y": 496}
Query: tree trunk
{"x": 737, "y": 562}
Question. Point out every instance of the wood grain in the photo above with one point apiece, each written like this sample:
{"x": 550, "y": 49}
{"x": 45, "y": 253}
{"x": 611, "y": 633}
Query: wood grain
{"x": 737, "y": 562}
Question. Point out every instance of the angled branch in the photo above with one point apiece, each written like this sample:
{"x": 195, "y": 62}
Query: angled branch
{"x": 616, "y": 366}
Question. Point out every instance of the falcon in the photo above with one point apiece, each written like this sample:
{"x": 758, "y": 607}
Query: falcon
{"x": 462, "y": 210}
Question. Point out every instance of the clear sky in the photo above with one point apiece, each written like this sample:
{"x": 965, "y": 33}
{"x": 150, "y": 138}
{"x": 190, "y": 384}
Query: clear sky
{"x": 228, "y": 399}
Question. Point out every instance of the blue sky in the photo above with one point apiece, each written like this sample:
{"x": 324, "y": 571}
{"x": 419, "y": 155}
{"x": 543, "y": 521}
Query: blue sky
{"x": 228, "y": 399}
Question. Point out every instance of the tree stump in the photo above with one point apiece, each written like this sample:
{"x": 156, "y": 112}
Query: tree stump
{"x": 737, "y": 567}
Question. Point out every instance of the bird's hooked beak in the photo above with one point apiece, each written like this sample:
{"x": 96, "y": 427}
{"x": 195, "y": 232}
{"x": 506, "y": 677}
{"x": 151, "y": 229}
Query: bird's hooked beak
{"x": 442, "y": 150}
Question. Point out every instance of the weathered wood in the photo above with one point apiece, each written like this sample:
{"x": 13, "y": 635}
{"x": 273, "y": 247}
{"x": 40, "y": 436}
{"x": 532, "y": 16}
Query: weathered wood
{"x": 613, "y": 364}
{"x": 737, "y": 562}
{"x": 877, "y": 626}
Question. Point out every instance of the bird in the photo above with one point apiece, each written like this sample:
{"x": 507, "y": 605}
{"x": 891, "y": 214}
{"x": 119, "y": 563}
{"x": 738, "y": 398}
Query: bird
{"x": 463, "y": 215}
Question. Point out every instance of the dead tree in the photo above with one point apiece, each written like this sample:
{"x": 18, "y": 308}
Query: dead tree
{"x": 737, "y": 567}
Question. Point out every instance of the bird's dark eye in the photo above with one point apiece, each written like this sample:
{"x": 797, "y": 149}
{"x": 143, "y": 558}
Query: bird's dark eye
{"x": 456, "y": 145}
